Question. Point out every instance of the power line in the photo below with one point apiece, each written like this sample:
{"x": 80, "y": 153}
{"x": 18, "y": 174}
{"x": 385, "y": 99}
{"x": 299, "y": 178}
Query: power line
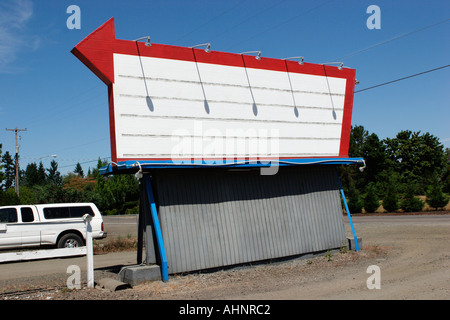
{"x": 90, "y": 161}
{"x": 211, "y": 20}
{"x": 413, "y": 75}
{"x": 246, "y": 20}
{"x": 282, "y": 23}
{"x": 71, "y": 106}
{"x": 68, "y": 148}
{"x": 390, "y": 40}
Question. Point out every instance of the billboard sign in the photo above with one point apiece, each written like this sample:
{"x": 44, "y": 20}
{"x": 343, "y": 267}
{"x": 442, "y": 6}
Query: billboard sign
{"x": 181, "y": 105}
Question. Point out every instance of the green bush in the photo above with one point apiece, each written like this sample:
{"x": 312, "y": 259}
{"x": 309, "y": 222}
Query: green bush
{"x": 413, "y": 204}
{"x": 391, "y": 200}
{"x": 435, "y": 197}
{"x": 410, "y": 203}
{"x": 8, "y": 197}
{"x": 354, "y": 202}
{"x": 371, "y": 202}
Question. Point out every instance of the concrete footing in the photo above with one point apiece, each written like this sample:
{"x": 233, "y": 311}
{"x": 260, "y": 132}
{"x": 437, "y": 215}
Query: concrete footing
{"x": 134, "y": 275}
{"x": 112, "y": 285}
{"x": 351, "y": 244}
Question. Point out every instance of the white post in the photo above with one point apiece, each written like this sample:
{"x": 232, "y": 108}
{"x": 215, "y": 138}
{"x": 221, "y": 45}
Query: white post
{"x": 89, "y": 251}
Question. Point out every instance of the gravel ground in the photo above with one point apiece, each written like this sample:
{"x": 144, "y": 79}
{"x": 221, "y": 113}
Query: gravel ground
{"x": 413, "y": 256}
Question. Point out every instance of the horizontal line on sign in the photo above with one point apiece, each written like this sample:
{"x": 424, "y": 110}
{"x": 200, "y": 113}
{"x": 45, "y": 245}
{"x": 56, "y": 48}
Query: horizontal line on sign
{"x": 149, "y": 135}
{"x": 230, "y": 85}
{"x": 219, "y": 157}
{"x": 230, "y": 102}
{"x": 130, "y": 115}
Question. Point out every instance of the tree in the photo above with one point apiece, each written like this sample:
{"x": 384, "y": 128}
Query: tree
{"x": 354, "y": 202}
{"x": 446, "y": 175}
{"x": 9, "y": 168}
{"x": 369, "y": 147}
{"x": 371, "y": 202}
{"x": 96, "y": 171}
{"x": 42, "y": 176}
{"x": 34, "y": 175}
{"x": 79, "y": 170}
{"x": 417, "y": 157}
{"x": 435, "y": 197}
{"x": 2, "y": 175}
{"x": 374, "y": 153}
{"x": 391, "y": 199}
{"x": 9, "y": 197}
{"x": 358, "y": 137}
{"x": 410, "y": 203}
{"x": 118, "y": 193}
{"x": 54, "y": 176}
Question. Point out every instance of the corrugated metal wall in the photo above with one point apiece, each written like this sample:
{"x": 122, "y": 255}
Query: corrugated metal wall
{"x": 212, "y": 218}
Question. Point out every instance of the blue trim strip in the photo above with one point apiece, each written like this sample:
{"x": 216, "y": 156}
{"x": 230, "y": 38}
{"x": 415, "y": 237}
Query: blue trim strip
{"x": 156, "y": 164}
{"x": 159, "y": 238}
{"x": 348, "y": 214}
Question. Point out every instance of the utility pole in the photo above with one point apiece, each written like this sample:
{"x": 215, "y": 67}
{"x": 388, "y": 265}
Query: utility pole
{"x": 16, "y": 130}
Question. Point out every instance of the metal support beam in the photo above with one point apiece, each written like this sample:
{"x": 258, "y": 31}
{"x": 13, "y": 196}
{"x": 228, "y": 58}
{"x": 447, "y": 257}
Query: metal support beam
{"x": 157, "y": 228}
{"x": 348, "y": 213}
{"x": 146, "y": 234}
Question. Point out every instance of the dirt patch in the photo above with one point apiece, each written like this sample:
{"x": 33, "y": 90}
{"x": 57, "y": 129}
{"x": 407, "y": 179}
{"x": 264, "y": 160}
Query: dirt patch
{"x": 227, "y": 284}
{"x": 413, "y": 256}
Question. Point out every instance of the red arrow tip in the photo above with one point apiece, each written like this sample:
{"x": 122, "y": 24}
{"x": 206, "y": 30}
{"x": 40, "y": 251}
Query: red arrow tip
{"x": 96, "y": 51}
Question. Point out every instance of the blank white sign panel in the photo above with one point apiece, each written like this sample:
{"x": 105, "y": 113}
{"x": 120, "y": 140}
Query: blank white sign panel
{"x": 173, "y": 109}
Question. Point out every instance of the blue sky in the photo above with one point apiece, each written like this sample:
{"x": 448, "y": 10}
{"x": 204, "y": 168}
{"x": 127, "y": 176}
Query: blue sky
{"x": 64, "y": 106}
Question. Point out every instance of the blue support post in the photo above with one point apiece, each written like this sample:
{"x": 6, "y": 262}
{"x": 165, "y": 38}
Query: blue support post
{"x": 348, "y": 213}
{"x": 156, "y": 225}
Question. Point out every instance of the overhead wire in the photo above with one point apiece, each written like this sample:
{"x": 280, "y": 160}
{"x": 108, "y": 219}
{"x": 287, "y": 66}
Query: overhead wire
{"x": 58, "y": 110}
{"x": 391, "y": 40}
{"x": 211, "y": 20}
{"x": 400, "y": 79}
{"x": 65, "y": 149}
{"x": 90, "y": 161}
{"x": 282, "y": 23}
{"x": 73, "y": 102}
{"x": 228, "y": 29}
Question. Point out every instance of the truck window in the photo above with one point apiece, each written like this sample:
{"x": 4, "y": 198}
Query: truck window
{"x": 56, "y": 213}
{"x": 27, "y": 214}
{"x": 78, "y": 212}
{"x": 67, "y": 212}
{"x": 8, "y": 215}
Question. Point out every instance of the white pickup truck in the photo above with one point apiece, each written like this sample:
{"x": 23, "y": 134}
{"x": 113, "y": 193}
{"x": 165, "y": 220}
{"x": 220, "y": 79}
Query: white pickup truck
{"x": 59, "y": 224}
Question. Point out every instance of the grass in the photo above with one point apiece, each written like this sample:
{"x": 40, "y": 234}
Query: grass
{"x": 115, "y": 245}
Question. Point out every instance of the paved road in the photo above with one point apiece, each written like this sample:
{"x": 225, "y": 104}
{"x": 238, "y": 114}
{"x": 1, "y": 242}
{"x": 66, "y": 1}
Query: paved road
{"x": 126, "y": 225}
{"x": 116, "y": 226}
{"x": 122, "y": 226}
{"x": 406, "y": 219}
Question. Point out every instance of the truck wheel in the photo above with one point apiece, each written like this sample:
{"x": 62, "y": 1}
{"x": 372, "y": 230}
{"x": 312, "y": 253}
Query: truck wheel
{"x": 70, "y": 240}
